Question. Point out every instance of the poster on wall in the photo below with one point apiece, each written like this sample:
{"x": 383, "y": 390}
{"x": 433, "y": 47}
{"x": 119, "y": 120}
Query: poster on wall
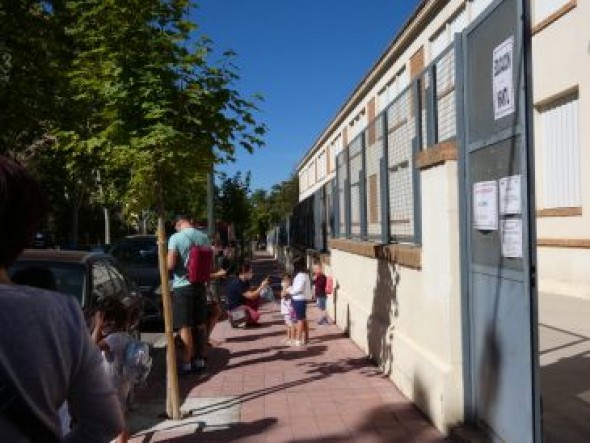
{"x": 503, "y": 79}
{"x": 510, "y": 195}
{"x": 485, "y": 205}
{"x": 511, "y": 233}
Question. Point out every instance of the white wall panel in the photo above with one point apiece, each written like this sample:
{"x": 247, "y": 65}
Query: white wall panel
{"x": 561, "y": 154}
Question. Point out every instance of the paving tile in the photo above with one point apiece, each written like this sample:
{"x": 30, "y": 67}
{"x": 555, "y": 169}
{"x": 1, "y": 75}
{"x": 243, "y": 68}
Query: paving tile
{"x": 327, "y": 392}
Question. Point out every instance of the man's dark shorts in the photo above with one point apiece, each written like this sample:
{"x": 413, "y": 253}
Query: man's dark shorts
{"x": 190, "y": 306}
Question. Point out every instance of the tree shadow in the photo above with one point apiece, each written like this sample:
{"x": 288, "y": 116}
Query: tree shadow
{"x": 284, "y": 355}
{"x": 380, "y": 322}
{"x": 327, "y": 369}
{"x": 233, "y": 432}
{"x": 253, "y": 337}
{"x": 327, "y": 337}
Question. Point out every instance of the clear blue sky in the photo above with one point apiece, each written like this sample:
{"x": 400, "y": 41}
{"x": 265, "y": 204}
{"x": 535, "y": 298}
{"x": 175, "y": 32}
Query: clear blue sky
{"x": 305, "y": 57}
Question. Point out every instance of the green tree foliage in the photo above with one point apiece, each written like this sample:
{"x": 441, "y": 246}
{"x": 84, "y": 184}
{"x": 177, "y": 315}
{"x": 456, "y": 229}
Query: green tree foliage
{"x": 32, "y": 57}
{"x": 232, "y": 202}
{"x": 160, "y": 109}
{"x": 119, "y": 103}
{"x": 268, "y": 208}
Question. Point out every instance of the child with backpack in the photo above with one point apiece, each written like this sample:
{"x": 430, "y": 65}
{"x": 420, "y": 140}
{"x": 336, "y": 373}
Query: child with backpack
{"x": 126, "y": 360}
{"x": 319, "y": 283}
{"x": 287, "y": 309}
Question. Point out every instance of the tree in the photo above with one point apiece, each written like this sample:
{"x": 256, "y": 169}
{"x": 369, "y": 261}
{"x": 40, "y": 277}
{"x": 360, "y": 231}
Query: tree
{"x": 153, "y": 106}
{"x": 31, "y": 59}
{"x": 232, "y": 202}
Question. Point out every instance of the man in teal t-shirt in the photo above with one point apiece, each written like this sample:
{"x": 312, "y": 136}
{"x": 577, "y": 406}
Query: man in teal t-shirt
{"x": 190, "y": 300}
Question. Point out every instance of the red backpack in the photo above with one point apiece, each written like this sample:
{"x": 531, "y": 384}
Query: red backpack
{"x": 329, "y": 285}
{"x": 199, "y": 264}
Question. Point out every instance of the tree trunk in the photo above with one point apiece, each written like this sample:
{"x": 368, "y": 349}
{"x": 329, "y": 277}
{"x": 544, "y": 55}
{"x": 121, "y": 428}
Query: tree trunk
{"x": 107, "y": 226}
{"x": 75, "y": 214}
{"x": 172, "y": 395}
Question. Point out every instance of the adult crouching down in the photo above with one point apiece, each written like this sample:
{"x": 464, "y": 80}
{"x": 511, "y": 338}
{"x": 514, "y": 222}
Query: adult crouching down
{"x": 240, "y": 295}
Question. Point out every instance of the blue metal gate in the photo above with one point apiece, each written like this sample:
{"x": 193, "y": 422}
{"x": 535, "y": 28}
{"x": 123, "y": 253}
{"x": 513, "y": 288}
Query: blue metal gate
{"x": 498, "y": 258}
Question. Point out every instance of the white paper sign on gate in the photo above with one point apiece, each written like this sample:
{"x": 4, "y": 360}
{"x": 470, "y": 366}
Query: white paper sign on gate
{"x": 510, "y": 196}
{"x": 485, "y": 205}
{"x": 502, "y": 75}
{"x": 511, "y": 233}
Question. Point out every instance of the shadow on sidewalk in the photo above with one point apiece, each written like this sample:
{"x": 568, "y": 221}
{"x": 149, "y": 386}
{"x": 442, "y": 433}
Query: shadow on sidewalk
{"x": 344, "y": 366}
{"x": 253, "y": 337}
{"x": 566, "y": 399}
{"x": 288, "y": 354}
{"x": 231, "y": 433}
{"x": 391, "y": 423}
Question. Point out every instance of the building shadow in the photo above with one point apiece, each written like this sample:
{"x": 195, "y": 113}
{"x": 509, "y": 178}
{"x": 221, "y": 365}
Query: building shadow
{"x": 388, "y": 424}
{"x": 566, "y": 399}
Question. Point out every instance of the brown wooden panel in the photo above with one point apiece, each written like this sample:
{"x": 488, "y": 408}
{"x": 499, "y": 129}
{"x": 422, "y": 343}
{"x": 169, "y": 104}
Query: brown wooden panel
{"x": 370, "y": 118}
{"x": 575, "y": 243}
{"x": 560, "y": 212}
{"x": 373, "y": 197}
{"x": 437, "y": 155}
{"x": 555, "y": 16}
{"x": 403, "y": 255}
{"x": 417, "y": 62}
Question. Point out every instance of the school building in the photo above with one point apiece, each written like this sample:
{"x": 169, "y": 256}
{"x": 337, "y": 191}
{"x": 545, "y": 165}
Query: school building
{"x": 379, "y": 194}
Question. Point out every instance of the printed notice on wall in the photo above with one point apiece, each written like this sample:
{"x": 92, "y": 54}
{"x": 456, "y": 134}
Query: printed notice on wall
{"x": 510, "y": 197}
{"x": 485, "y": 205}
{"x": 511, "y": 233}
{"x": 503, "y": 84}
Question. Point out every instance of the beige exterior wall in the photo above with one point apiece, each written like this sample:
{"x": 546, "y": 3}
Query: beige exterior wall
{"x": 409, "y": 320}
{"x": 561, "y": 61}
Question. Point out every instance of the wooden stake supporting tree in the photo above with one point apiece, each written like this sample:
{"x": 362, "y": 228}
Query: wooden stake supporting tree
{"x": 172, "y": 394}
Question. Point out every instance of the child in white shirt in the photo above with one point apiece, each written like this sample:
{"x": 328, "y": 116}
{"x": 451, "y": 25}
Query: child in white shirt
{"x": 287, "y": 309}
{"x": 109, "y": 334}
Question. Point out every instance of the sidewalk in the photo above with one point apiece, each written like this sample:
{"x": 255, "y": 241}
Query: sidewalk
{"x": 258, "y": 390}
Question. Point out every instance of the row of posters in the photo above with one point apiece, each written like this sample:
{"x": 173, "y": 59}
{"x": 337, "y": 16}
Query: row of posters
{"x": 493, "y": 198}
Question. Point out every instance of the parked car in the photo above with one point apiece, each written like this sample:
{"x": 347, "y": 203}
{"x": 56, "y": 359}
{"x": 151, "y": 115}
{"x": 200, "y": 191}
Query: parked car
{"x": 138, "y": 257}
{"x": 90, "y": 277}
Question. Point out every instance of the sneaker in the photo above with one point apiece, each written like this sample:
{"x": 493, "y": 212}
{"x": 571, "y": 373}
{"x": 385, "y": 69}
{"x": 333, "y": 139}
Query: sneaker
{"x": 297, "y": 343}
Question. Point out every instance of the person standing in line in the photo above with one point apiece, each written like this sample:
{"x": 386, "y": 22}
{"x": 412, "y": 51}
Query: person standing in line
{"x": 47, "y": 357}
{"x": 287, "y": 309}
{"x": 300, "y": 292}
{"x": 215, "y": 306}
{"x": 319, "y": 284}
{"x": 190, "y": 300}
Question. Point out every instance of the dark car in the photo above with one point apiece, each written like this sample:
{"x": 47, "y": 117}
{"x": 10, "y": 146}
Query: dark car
{"x": 137, "y": 256}
{"x": 90, "y": 277}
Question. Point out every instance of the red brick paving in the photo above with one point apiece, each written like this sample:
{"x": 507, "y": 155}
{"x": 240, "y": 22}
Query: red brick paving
{"x": 325, "y": 392}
